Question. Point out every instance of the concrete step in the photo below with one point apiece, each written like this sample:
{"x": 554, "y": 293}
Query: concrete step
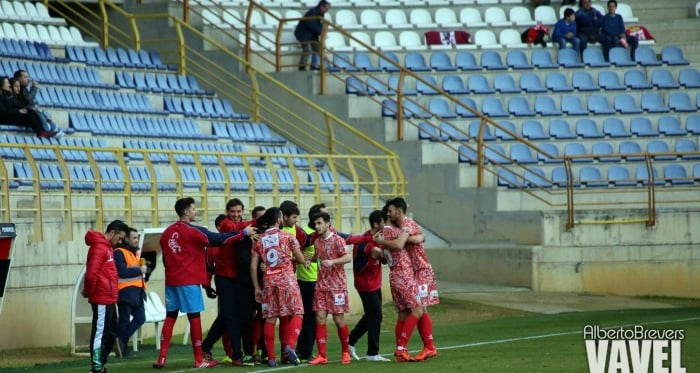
{"x": 674, "y": 31}
{"x": 660, "y": 11}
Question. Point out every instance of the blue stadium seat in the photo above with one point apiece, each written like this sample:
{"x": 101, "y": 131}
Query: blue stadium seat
{"x": 509, "y": 179}
{"x": 641, "y": 173}
{"x": 631, "y": 147}
{"x": 441, "y": 108}
{"x": 453, "y": 84}
{"x": 493, "y": 107}
{"x": 593, "y": 57}
{"x": 654, "y": 103}
{"x": 479, "y": 84}
{"x": 342, "y": 62}
{"x": 534, "y": 177}
{"x": 414, "y": 110}
{"x": 530, "y": 83}
{"x": 620, "y": 57}
{"x": 642, "y": 127}
{"x": 680, "y": 102}
{"x": 452, "y": 133}
{"x": 462, "y": 111}
{"x": 285, "y": 180}
{"x": 496, "y": 154}
{"x": 620, "y": 176}
{"x": 424, "y": 88}
{"x": 503, "y": 135}
{"x": 646, "y": 56}
{"x": 572, "y": 105}
{"x": 415, "y": 61}
{"x": 663, "y": 79}
{"x": 466, "y": 154}
{"x": 362, "y": 61}
{"x": 545, "y": 106}
{"x": 687, "y": 146}
{"x": 408, "y": 90}
{"x": 355, "y": 86}
{"x": 696, "y": 171}
{"x": 671, "y": 126}
{"x": 556, "y": 82}
{"x": 692, "y": 124}
{"x": 676, "y": 174}
{"x": 491, "y": 60}
{"x": 598, "y": 104}
{"x": 473, "y": 131}
{"x": 504, "y": 83}
{"x": 560, "y": 129}
{"x": 689, "y": 78}
{"x": 389, "y": 108}
{"x": 263, "y": 180}
{"x": 658, "y": 146}
{"x": 588, "y": 129}
{"x": 577, "y": 149}
{"x": 386, "y": 65}
{"x": 569, "y": 58}
{"x": 610, "y": 81}
{"x": 519, "y": 106}
{"x": 377, "y": 87}
{"x": 466, "y": 61}
{"x": 516, "y": 59}
{"x": 522, "y": 154}
{"x": 625, "y": 104}
{"x": 550, "y": 149}
{"x": 614, "y": 127}
{"x": 635, "y": 79}
{"x": 559, "y": 178}
{"x": 440, "y": 61}
{"x": 602, "y": 151}
{"x": 427, "y": 131}
{"x": 542, "y": 59}
{"x": 532, "y": 129}
{"x": 673, "y": 55}
{"x": 590, "y": 176}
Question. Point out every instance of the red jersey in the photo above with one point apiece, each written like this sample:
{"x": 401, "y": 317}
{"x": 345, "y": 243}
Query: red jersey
{"x": 332, "y": 278}
{"x": 415, "y": 251}
{"x": 183, "y": 252}
{"x": 228, "y": 261}
{"x": 368, "y": 271}
{"x": 101, "y": 278}
{"x": 398, "y": 260}
{"x": 274, "y": 248}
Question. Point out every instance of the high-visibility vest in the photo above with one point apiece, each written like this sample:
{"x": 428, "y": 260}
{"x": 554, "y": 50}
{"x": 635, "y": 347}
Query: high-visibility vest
{"x": 131, "y": 261}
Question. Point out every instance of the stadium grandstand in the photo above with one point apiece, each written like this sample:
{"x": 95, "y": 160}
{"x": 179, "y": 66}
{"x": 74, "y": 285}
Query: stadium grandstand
{"x": 527, "y": 166}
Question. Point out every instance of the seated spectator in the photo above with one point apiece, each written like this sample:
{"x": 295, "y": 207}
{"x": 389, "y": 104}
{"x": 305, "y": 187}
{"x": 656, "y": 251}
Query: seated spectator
{"x": 588, "y": 25}
{"x": 12, "y": 112}
{"x": 565, "y": 31}
{"x": 613, "y": 28}
{"x": 26, "y": 94}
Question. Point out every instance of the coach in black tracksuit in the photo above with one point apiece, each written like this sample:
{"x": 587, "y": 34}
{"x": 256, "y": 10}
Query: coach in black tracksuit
{"x": 307, "y": 32}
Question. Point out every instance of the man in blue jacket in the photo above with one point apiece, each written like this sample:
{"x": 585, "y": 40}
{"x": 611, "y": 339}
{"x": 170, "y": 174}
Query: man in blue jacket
{"x": 308, "y": 31}
{"x": 614, "y": 28}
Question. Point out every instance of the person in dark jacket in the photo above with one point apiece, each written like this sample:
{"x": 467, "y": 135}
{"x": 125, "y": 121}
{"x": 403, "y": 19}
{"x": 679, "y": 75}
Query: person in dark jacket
{"x": 26, "y": 91}
{"x": 132, "y": 288}
{"x": 308, "y": 31}
{"x": 614, "y": 28}
{"x": 100, "y": 288}
{"x": 588, "y": 24}
{"x": 12, "y": 112}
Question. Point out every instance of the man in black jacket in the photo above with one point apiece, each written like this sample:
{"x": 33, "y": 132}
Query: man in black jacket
{"x": 307, "y": 32}
{"x": 132, "y": 287}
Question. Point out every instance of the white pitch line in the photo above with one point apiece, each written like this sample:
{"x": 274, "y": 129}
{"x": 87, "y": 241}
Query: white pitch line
{"x": 484, "y": 343}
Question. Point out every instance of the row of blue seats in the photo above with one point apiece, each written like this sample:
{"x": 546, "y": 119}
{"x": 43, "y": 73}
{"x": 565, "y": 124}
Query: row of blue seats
{"x": 45, "y": 154}
{"x": 142, "y": 126}
{"x": 262, "y": 180}
{"x": 629, "y": 151}
{"x": 119, "y": 57}
{"x": 193, "y": 150}
{"x": 202, "y": 107}
{"x": 160, "y": 83}
{"x": 560, "y": 129}
{"x": 56, "y": 73}
{"x": 520, "y": 106}
{"x": 592, "y": 176}
{"x": 246, "y": 131}
{"x": 71, "y": 98}
{"x": 25, "y": 49}
{"x": 514, "y": 59}
{"x": 582, "y": 81}
{"x": 291, "y": 150}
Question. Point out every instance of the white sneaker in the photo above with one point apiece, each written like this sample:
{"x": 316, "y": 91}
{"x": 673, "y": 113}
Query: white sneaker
{"x": 59, "y": 134}
{"x": 376, "y": 358}
{"x": 353, "y": 353}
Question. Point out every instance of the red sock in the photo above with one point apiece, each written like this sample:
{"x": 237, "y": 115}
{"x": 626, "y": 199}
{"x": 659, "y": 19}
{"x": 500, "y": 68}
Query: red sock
{"x": 165, "y": 335}
{"x": 284, "y": 327}
{"x": 425, "y": 328}
{"x": 344, "y": 335}
{"x": 408, "y": 325}
{"x": 269, "y": 331}
{"x": 196, "y": 337}
{"x": 226, "y": 341}
{"x": 397, "y": 331}
{"x": 293, "y": 331}
{"x": 257, "y": 334}
{"x": 321, "y": 339}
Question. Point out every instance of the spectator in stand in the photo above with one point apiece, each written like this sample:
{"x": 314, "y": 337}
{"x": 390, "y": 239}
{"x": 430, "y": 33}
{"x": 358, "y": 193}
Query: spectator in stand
{"x": 588, "y": 24}
{"x": 614, "y": 28}
{"x": 98, "y": 286}
{"x": 308, "y": 32}
{"x": 565, "y": 31}
{"x": 132, "y": 288}
{"x": 12, "y": 112}
{"x": 26, "y": 94}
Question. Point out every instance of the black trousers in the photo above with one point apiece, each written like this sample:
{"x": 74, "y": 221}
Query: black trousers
{"x": 228, "y": 319}
{"x": 102, "y": 335}
{"x": 371, "y": 321}
{"x": 246, "y": 302}
{"x": 128, "y": 325}
{"x": 307, "y": 336}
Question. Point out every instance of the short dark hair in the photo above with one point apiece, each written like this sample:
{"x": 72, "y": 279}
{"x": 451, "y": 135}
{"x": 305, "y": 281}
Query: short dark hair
{"x": 568, "y": 12}
{"x": 234, "y": 202}
{"x": 219, "y": 219}
{"x": 117, "y": 226}
{"x": 182, "y": 204}
{"x": 289, "y": 208}
{"x": 385, "y": 212}
{"x": 18, "y": 73}
{"x": 321, "y": 215}
{"x": 399, "y": 203}
{"x": 323, "y": 3}
{"x": 315, "y": 209}
{"x": 256, "y": 209}
{"x": 269, "y": 218}
{"x": 613, "y": 2}
{"x": 375, "y": 217}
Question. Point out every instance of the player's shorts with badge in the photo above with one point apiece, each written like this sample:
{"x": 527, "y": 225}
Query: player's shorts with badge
{"x": 282, "y": 301}
{"x": 404, "y": 292}
{"x": 331, "y": 301}
{"x": 427, "y": 287}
